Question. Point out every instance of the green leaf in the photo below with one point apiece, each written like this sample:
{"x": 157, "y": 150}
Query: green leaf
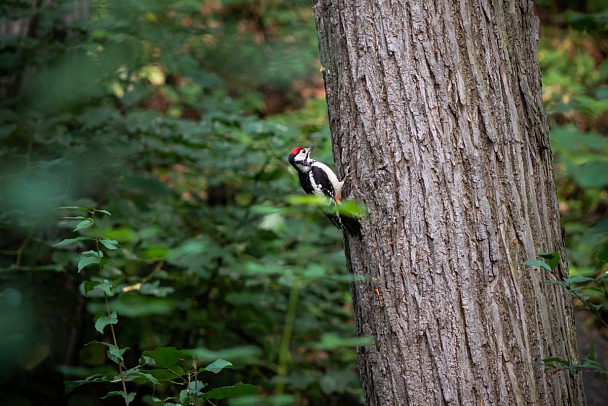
{"x": 196, "y": 387}
{"x": 167, "y": 375}
{"x": 240, "y": 389}
{"x": 87, "y": 222}
{"x": 69, "y": 241}
{"x": 71, "y": 385}
{"x": 537, "y": 262}
{"x": 232, "y": 353}
{"x": 348, "y": 207}
{"x": 330, "y": 341}
{"x": 578, "y": 279}
{"x": 183, "y": 397}
{"x": 306, "y": 200}
{"x": 72, "y": 208}
{"x": 154, "y": 289}
{"x": 217, "y": 365}
{"x": 146, "y": 377}
{"x": 86, "y": 261}
{"x": 272, "y": 221}
{"x": 261, "y": 209}
{"x": 314, "y": 271}
{"x": 89, "y": 258}
{"x": 557, "y": 360}
{"x": 109, "y": 244}
{"x": 134, "y": 305}
{"x": 592, "y": 353}
{"x": 128, "y": 397}
{"x": 99, "y": 342}
{"x": 108, "y": 287}
{"x": 115, "y": 354}
{"x": 89, "y": 286}
{"x": 102, "y": 320}
{"x": 92, "y": 253}
{"x": 102, "y": 211}
{"x": 592, "y": 175}
{"x": 163, "y": 357}
{"x": 337, "y": 381}
{"x": 551, "y": 258}
{"x": 351, "y": 208}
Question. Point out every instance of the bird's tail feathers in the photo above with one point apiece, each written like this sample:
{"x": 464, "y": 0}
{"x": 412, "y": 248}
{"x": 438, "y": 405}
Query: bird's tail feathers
{"x": 350, "y": 224}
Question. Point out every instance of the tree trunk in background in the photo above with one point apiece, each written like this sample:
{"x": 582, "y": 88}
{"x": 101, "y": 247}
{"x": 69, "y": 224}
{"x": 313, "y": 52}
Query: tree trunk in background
{"x": 436, "y": 108}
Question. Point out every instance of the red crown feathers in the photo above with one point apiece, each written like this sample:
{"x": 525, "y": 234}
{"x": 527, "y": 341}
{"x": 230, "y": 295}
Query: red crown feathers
{"x": 296, "y": 150}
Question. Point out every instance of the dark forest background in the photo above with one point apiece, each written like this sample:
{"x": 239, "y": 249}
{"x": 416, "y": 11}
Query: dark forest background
{"x": 176, "y": 117}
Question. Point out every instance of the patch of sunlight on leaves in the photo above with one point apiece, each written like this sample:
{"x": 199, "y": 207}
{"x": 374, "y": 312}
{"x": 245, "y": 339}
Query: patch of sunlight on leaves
{"x": 272, "y": 222}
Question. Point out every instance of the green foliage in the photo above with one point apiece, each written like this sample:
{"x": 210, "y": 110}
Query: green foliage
{"x": 575, "y": 91}
{"x": 575, "y": 83}
{"x": 589, "y": 294}
{"x": 549, "y": 261}
{"x": 162, "y": 112}
{"x": 147, "y": 110}
{"x": 162, "y": 364}
{"x": 588, "y": 364}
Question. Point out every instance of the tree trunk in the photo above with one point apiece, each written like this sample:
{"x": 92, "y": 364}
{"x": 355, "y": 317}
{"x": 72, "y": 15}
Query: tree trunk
{"x": 435, "y": 107}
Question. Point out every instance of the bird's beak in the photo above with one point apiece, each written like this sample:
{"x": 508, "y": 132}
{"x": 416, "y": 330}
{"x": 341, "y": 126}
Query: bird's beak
{"x": 310, "y": 149}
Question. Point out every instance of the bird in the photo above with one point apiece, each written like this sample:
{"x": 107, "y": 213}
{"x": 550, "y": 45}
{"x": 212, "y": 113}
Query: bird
{"x": 317, "y": 179}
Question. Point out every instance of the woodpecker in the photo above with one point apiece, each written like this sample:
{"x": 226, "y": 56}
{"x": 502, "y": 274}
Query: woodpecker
{"x": 316, "y": 178}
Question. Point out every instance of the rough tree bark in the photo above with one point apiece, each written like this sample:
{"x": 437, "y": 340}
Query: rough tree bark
{"x": 435, "y": 107}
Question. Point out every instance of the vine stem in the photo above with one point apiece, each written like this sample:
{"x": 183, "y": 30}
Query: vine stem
{"x": 589, "y": 306}
{"x": 284, "y": 353}
{"x": 105, "y": 296}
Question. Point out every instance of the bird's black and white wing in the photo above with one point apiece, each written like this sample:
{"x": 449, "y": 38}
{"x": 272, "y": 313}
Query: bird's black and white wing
{"x": 321, "y": 182}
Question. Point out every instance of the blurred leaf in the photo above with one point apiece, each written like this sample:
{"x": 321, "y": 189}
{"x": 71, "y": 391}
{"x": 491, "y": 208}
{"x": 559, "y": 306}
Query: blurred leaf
{"x": 217, "y": 365}
{"x": 167, "y": 375}
{"x": 330, "y": 341}
{"x": 226, "y": 392}
{"x": 145, "y": 112}
{"x": 71, "y": 385}
{"x": 154, "y": 289}
{"x": 136, "y": 305}
{"x": 232, "y": 353}
{"x": 109, "y": 244}
{"x": 86, "y": 223}
{"x": 272, "y": 221}
{"x": 128, "y": 397}
{"x": 72, "y": 208}
{"x": 578, "y": 279}
{"x": 164, "y": 357}
{"x": 586, "y": 21}
{"x": 69, "y": 241}
{"x": 338, "y": 381}
{"x": 592, "y": 174}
